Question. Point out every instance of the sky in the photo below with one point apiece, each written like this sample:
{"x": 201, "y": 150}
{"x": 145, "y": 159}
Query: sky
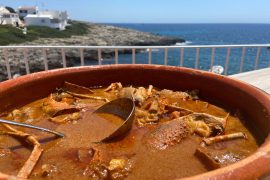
{"x": 157, "y": 11}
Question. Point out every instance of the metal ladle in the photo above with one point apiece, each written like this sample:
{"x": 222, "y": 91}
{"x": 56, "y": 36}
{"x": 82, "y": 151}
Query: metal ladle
{"x": 122, "y": 107}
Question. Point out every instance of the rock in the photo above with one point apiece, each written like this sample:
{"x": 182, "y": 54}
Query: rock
{"x": 99, "y": 35}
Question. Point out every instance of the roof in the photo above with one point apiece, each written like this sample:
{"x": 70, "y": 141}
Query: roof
{"x": 27, "y": 8}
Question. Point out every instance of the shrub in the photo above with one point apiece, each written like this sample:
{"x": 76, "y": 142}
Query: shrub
{"x": 12, "y": 35}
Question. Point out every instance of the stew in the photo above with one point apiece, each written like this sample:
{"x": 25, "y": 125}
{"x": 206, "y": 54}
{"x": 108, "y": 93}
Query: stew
{"x": 174, "y": 135}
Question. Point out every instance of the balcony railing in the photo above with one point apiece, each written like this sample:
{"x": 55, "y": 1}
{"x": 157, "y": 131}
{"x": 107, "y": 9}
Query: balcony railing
{"x": 242, "y": 49}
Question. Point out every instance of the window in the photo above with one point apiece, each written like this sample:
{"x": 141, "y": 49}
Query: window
{"x": 23, "y": 11}
{"x": 43, "y": 20}
{"x": 6, "y": 16}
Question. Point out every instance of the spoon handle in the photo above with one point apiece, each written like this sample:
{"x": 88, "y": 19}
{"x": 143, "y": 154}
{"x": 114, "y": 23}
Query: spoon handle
{"x": 32, "y": 127}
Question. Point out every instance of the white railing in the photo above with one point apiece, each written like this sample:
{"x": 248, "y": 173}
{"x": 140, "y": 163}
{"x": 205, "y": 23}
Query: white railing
{"x": 149, "y": 49}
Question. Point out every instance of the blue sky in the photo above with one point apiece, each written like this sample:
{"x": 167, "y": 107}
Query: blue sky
{"x": 158, "y": 11}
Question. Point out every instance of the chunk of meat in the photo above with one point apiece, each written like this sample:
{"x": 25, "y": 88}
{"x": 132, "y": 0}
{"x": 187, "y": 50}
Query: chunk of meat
{"x": 74, "y": 117}
{"x": 140, "y": 95}
{"x": 144, "y": 117}
{"x": 54, "y": 108}
{"x": 175, "y": 114}
{"x": 210, "y": 119}
{"x": 205, "y": 124}
{"x": 167, "y": 134}
{"x": 154, "y": 107}
{"x": 16, "y": 115}
{"x": 165, "y": 93}
{"x": 86, "y": 96}
{"x": 114, "y": 86}
{"x": 214, "y": 159}
{"x": 26, "y": 115}
{"x": 150, "y": 111}
{"x": 200, "y": 128}
{"x": 61, "y": 96}
{"x": 126, "y": 92}
{"x": 182, "y": 111}
{"x": 118, "y": 169}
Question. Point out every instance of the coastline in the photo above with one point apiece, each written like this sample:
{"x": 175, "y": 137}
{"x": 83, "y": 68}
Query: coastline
{"x": 98, "y": 35}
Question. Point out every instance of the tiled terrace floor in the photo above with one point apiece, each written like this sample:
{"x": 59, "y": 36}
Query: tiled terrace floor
{"x": 259, "y": 78}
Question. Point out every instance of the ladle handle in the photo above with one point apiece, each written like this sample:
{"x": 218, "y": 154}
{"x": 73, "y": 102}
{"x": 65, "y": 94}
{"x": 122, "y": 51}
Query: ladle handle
{"x": 32, "y": 127}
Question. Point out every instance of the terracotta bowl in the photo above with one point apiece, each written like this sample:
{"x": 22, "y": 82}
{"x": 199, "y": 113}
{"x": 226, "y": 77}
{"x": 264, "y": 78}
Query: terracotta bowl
{"x": 219, "y": 90}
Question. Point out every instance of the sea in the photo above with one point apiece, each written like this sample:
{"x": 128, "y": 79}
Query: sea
{"x": 206, "y": 34}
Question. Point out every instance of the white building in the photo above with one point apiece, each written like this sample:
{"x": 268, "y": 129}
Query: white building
{"x": 24, "y": 11}
{"x": 52, "y": 19}
{"x": 9, "y": 18}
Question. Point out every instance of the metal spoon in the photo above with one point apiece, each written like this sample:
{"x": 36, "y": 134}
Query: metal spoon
{"x": 32, "y": 127}
{"x": 123, "y": 108}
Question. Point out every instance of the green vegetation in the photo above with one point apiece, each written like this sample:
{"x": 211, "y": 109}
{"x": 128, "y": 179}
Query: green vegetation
{"x": 12, "y": 35}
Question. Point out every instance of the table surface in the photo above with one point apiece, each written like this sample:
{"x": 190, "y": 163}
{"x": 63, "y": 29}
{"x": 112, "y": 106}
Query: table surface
{"x": 259, "y": 78}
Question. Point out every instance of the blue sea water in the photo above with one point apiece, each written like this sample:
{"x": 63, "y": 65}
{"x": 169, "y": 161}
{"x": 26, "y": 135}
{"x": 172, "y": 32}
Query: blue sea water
{"x": 207, "y": 34}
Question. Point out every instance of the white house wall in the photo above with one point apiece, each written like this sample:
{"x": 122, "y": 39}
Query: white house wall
{"x": 53, "y": 19}
{"x": 10, "y": 20}
{"x": 43, "y": 21}
{"x": 56, "y": 14}
{"x": 3, "y": 10}
{"x": 37, "y": 21}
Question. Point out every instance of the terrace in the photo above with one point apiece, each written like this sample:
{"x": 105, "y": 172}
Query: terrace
{"x": 259, "y": 78}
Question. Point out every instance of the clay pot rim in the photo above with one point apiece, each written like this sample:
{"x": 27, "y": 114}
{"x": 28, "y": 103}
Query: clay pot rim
{"x": 261, "y": 96}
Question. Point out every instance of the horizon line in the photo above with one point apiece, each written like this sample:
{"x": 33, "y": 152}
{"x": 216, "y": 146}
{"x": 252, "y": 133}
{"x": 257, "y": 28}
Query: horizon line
{"x": 173, "y": 22}
{"x": 176, "y": 23}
